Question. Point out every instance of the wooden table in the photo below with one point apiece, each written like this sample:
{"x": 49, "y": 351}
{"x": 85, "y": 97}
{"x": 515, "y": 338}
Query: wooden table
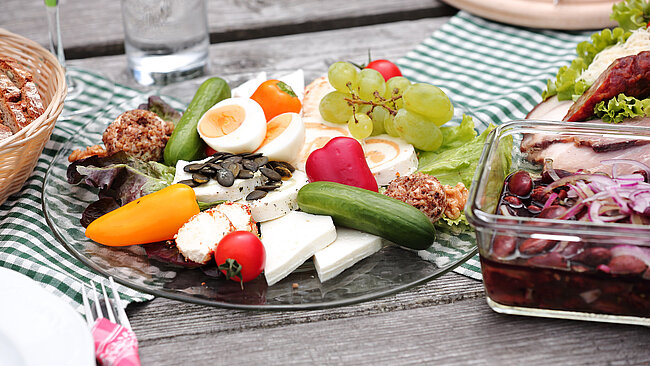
{"x": 446, "y": 321}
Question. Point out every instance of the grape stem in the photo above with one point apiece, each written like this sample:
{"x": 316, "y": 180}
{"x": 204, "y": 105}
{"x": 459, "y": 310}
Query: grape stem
{"x": 382, "y": 102}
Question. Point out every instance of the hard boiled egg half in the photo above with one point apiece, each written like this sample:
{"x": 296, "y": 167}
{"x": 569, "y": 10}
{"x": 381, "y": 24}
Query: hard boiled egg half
{"x": 285, "y": 135}
{"x": 234, "y": 125}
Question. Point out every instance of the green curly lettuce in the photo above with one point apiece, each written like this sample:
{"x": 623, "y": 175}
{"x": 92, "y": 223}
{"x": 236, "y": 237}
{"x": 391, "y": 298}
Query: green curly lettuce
{"x": 566, "y": 84}
{"x": 631, "y": 14}
{"x": 622, "y": 107}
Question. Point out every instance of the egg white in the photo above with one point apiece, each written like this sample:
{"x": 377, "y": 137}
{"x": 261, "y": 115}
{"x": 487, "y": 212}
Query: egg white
{"x": 288, "y": 144}
{"x": 247, "y": 137}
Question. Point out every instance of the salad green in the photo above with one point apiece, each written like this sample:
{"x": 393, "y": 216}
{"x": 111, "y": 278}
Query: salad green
{"x": 617, "y": 109}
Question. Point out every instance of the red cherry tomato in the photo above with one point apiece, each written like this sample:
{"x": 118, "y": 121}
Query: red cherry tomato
{"x": 240, "y": 255}
{"x": 386, "y": 68}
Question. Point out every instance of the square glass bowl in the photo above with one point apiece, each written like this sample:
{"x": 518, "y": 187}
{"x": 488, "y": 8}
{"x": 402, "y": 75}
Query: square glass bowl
{"x": 559, "y": 268}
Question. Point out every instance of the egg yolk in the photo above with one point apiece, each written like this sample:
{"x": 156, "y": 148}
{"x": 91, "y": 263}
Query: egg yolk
{"x": 275, "y": 127}
{"x": 222, "y": 121}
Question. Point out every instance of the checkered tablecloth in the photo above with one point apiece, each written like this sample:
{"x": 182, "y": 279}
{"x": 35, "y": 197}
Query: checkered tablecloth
{"x": 491, "y": 71}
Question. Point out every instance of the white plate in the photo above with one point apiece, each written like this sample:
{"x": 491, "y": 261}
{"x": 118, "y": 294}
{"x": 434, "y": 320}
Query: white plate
{"x": 38, "y": 328}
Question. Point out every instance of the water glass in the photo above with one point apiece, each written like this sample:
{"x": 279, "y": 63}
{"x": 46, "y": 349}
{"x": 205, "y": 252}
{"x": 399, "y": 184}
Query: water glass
{"x": 165, "y": 40}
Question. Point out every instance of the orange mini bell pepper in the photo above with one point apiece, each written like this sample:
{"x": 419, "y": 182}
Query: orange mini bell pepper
{"x": 275, "y": 98}
{"x": 151, "y": 218}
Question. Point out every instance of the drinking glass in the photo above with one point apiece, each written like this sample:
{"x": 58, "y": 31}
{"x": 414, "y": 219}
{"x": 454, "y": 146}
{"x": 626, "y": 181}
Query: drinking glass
{"x": 165, "y": 40}
{"x": 81, "y": 83}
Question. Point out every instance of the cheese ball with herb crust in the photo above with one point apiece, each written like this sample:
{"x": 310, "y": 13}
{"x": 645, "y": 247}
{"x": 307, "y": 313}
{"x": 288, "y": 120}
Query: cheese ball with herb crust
{"x": 421, "y": 191}
{"x": 139, "y": 133}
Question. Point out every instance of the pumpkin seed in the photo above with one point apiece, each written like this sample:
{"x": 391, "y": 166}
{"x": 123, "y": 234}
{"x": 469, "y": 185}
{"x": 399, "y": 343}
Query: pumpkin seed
{"x": 191, "y": 168}
{"x": 200, "y": 178}
{"x": 250, "y": 165}
{"x": 255, "y": 195}
{"x": 261, "y": 160}
{"x": 268, "y": 187}
{"x": 225, "y": 177}
{"x": 189, "y": 182}
{"x": 283, "y": 171}
{"x": 206, "y": 170}
{"x": 270, "y": 173}
{"x": 245, "y": 174}
{"x": 232, "y": 159}
{"x": 233, "y": 167}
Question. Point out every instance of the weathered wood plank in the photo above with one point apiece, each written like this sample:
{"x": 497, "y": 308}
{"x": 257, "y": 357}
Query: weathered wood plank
{"x": 461, "y": 333}
{"x": 93, "y": 28}
{"x": 314, "y": 51}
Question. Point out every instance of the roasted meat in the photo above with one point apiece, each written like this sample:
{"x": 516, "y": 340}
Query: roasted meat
{"x": 629, "y": 75}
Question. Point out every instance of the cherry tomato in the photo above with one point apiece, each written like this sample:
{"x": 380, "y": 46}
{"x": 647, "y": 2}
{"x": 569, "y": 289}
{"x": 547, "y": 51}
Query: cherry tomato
{"x": 240, "y": 255}
{"x": 276, "y": 98}
{"x": 386, "y": 68}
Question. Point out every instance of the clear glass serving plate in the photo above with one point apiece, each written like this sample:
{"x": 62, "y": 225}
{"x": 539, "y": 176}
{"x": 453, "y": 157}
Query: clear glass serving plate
{"x": 391, "y": 270}
{"x": 557, "y": 268}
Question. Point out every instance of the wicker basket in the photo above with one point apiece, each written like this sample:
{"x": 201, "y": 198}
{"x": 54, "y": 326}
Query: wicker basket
{"x": 19, "y": 153}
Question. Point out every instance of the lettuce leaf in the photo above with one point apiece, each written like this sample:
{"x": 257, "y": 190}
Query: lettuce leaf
{"x": 566, "y": 84}
{"x": 631, "y": 14}
{"x": 622, "y": 107}
{"x": 457, "y": 158}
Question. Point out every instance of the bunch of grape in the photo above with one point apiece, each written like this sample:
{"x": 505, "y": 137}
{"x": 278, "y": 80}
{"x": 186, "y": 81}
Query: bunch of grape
{"x": 371, "y": 106}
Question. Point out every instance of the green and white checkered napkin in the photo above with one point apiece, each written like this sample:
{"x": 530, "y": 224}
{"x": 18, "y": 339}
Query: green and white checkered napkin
{"x": 490, "y": 71}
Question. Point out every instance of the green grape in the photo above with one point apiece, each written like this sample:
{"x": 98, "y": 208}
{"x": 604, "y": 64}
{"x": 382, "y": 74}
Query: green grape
{"x": 389, "y": 126}
{"x": 370, "y": 81}
{"x": 340, "y": 73}
{"x": 379, "y": 115}
{"x": 429, "y": 101}
{"x": 395, "y": 86}
{"x": 360, "y": 126}
{"x": 418, "y": 130}
{"x": 334, "y": 108}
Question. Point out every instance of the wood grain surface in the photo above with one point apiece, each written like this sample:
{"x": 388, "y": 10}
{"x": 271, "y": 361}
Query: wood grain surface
{"x": 102, "y": 32}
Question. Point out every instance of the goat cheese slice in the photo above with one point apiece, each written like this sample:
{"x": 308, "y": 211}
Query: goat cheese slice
{"x": 198, "y": 238}
{"x": 292, "y": 239}
{"x": 281, "y": 201}
{"x": 350, "y": 247}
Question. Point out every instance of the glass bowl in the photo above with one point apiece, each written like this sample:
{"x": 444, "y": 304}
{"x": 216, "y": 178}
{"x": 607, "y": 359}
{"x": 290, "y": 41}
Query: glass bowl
{"x": 558, "y": 268}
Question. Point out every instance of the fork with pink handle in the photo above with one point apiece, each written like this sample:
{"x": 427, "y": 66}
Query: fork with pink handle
{"x": 115, "y": 342}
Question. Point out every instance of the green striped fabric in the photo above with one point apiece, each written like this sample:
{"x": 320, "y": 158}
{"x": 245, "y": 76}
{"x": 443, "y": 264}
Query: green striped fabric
{"x": 491, "y": 71}
{"x": 27, "y": 244}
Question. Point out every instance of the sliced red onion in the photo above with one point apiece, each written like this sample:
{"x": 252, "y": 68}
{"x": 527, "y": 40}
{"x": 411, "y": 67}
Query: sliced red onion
{"x": 633, "y": 250}
{"x": 593, "y": 212}
{"x": 548, "y": 166}
{"x": 550, "y": 200}
{"x": 637, "y": 164}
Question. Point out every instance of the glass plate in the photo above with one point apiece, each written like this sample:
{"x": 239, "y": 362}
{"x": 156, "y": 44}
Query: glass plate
{"x": 386, "y": 272}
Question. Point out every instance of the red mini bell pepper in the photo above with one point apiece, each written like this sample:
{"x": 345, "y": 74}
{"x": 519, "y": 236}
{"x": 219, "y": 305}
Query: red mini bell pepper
{"x": 341, "y": 160}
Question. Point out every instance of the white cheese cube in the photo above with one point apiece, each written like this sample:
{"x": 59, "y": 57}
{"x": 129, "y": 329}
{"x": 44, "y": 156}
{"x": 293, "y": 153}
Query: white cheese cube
{"x": 280, "y": 201}
{"x": 292, "y": 239}
{"x": 198, "y": 238}
{"x": 350, "y": 247}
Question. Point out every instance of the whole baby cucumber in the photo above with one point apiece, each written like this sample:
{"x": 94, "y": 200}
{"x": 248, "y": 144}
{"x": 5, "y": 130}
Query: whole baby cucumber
{"x": 185, "y": 142}
{"x": 368, "y": 211}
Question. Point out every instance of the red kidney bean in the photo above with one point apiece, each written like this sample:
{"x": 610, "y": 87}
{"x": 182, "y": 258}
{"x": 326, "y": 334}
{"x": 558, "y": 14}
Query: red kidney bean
{"x": 570, "y": 249}
{"x": 552, "y": 260}
{"x": 520, "y": 183}
{"x": 513, "y": 201}
{"x": 504, "y": 246}
{"x": 546, "y": 178}
{"x": 534, "y": 209}
{"x": 552, "y": 212}
{"x": 535, "y": 246}
{"x": 539, "y": 196}
{"x": 627, "y": 265}
{"x": 594, "y": 256}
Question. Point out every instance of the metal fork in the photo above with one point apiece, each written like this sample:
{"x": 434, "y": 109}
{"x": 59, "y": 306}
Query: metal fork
{"x": 112, "y": 307}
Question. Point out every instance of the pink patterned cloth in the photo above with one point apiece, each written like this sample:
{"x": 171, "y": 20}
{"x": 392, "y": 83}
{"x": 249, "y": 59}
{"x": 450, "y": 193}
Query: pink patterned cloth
{"x": 114, "y": 344}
